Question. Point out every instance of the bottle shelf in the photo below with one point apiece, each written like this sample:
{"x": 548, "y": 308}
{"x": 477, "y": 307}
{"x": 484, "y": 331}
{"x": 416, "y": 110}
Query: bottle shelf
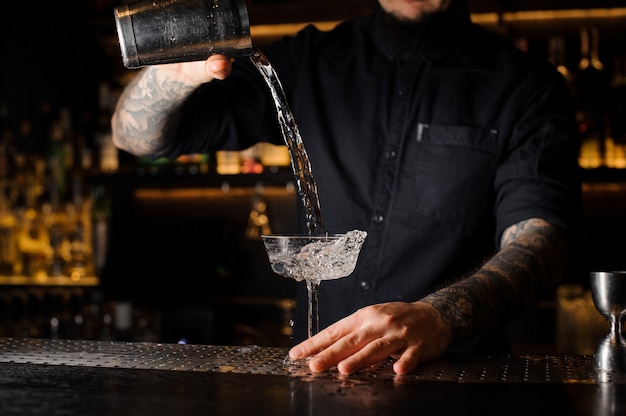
{"x": 187, "y": 175}
{"x": 53, "y": 281}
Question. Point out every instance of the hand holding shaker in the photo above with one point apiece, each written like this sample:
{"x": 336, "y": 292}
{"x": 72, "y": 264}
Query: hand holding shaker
{"x": 153, "y": 32}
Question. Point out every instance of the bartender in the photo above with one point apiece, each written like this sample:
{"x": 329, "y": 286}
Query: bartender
{"x": 454, "y": 150}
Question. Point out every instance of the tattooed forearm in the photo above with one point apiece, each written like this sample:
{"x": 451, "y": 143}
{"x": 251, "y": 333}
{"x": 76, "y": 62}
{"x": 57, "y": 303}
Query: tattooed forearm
{"x": 530, "y": 262}
{"x": 143, "y": 108}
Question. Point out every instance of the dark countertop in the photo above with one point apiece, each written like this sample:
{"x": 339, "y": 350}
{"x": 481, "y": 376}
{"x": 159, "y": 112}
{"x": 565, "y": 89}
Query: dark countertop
{"x": 62, "y": 377}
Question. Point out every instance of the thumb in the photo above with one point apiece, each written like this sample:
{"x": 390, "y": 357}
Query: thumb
{"x": 219, "y": 66}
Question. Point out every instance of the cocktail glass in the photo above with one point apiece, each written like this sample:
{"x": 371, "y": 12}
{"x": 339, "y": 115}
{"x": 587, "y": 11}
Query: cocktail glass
{"x": 608, "y": 290}
{"x": 313, "y": 259}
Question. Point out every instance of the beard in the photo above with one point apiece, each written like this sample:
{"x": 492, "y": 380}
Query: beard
{"x": 408, "y": 34}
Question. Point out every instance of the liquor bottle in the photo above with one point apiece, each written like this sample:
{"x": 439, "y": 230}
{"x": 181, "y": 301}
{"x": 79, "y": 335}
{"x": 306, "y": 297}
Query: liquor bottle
{"x": 56, "y": 159}
{"x": 79, "y": 244}
{"x": 557, "y": 56}
{"x": 591, "y": 95}
{"x": 100, "y": 218}
{"x": 123, "y": 321}
{"x": 108, "y": 154}
{"x": 9, "y": 251}
{"x": 618, "y": 100}
{"x": 56, "y": 235}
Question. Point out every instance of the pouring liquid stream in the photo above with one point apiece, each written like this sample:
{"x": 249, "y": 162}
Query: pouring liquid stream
{"x": 319, "y": 260}
{"x": 307, "y": 188}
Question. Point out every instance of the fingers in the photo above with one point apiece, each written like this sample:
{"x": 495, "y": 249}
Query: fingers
{"x": 219, "y": 66}
{"x": 352, "y": 354}
{"x": 347, "y": 353}
{"x": 324, "y": 339}
{"x": 329, "y": 336}
{"x": 369, "y": 355}
{"x": 407, "y": 362}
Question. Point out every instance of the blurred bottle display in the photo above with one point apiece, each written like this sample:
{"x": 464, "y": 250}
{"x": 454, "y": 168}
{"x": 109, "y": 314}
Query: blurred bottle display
{"x": 45, "y": 207}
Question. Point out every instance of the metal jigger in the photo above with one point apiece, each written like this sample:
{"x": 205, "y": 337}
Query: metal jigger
{"x": 609, "y": 296}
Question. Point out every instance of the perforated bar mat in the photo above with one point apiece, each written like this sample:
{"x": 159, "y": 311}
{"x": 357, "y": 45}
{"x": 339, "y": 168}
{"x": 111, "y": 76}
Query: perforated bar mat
{"x": 504, "y": 368}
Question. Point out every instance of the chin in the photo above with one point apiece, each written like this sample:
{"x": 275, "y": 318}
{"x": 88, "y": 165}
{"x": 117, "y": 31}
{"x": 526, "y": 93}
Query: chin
{"x": 414, "y": 10}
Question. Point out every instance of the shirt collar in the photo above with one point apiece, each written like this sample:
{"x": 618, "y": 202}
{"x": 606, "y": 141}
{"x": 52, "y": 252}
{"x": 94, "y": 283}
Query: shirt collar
{"x": 456, "y": 23}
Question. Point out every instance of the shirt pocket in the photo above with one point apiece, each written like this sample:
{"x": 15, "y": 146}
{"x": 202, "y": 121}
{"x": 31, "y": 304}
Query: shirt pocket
{"x": 450, "y": 173}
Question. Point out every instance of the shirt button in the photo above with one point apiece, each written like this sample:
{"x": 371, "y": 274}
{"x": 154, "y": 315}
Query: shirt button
{"x": 365, "y": 285}
{"x": 391, "y": 154}
{"x": 378, "y": 219}
{"x": 402, "y": 91}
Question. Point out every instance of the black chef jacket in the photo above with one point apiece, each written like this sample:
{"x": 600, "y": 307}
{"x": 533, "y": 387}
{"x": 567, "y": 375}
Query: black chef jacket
{"x": 434, "y": 151}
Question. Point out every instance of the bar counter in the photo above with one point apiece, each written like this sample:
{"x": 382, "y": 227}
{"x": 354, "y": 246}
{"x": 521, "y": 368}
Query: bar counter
{"x": 69, "y": 377}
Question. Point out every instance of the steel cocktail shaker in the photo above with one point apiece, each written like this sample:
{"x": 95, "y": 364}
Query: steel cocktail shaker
{"x": 153, "y": 32}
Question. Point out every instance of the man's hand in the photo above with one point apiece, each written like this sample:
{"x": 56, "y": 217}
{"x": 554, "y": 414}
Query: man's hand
{"x": 198, "y": 72}
{"x": 409, "y": 332}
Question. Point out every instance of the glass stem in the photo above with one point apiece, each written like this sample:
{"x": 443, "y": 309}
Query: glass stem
{"x": 314, "y": 322}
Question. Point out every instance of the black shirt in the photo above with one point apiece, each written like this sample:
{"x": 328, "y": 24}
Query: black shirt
{"x": 433, "y": 150}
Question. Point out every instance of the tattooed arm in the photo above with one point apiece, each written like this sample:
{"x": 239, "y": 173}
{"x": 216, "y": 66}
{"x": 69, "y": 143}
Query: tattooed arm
{"x": 529, "y": 264}
{"x": 153, "y": 94}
